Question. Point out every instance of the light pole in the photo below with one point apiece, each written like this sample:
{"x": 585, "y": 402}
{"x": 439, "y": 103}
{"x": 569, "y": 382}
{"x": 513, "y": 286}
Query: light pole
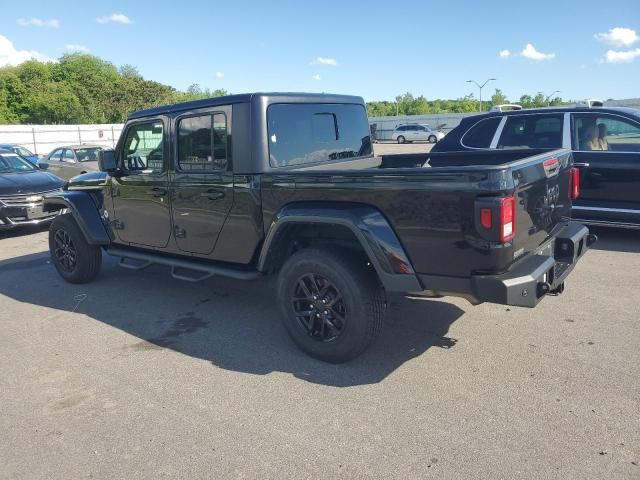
{"x": 549, "y": 96}
{"x": 480, "y": 87}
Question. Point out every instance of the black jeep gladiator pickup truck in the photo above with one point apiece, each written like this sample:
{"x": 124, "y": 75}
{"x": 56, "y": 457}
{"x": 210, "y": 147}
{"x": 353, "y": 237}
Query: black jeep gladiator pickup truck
{"x": 253, "y": 185}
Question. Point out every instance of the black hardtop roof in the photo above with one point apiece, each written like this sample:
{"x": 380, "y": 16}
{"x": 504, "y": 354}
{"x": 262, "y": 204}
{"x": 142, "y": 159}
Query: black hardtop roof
{"x": 626, "y": 110}
{"x": 246, "y": 98}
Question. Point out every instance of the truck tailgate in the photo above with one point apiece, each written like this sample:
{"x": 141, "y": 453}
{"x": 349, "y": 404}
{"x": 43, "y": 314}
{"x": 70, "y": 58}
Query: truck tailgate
{"x": 543, "y": 196}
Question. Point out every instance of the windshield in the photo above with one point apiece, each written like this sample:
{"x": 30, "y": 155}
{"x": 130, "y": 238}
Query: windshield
{"x": 11, "y": 163}
{"x": 22, "y": 151}
{"x": 87, "y": 154}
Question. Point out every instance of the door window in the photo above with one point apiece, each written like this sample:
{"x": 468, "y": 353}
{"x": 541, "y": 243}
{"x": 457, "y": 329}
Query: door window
{"x": 67, "y": 156}
{"x": 605, "y": 132}
{"x": 143, "y": 148}
{"x": 202, "y": 143}
{"x": 55, "y": 155}
{"x": 532, "y": 131}
{"x": 481, "y": 134}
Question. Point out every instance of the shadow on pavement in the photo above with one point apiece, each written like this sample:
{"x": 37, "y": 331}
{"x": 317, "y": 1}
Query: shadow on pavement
{"x": 21, "y": 231}
{"x": 617, "y": 240}
{"x": 232, "y": 324}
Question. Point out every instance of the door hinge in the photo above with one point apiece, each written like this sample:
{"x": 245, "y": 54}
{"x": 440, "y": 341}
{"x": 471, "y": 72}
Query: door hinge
{"x": 179, "y": 232}
{"x": 118, "y": 225}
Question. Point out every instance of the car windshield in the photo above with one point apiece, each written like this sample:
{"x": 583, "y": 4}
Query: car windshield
{"x": 23, "y": 151}
{"x": 87, "y": 154}
{"x": 12, "y": 163}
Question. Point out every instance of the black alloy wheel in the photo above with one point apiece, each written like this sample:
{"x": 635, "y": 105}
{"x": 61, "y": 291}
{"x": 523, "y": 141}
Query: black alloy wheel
{"x": 319, "y": 308}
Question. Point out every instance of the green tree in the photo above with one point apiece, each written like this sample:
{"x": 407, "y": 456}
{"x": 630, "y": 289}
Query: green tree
{"x": 498, "y": 98}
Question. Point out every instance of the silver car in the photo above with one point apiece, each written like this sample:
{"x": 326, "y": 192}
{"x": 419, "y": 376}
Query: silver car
{"x": 67, "y": 162}
{"x": 416, "y": 133}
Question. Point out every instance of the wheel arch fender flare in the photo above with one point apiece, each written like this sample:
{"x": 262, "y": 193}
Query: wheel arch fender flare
{"x": 369, "y": 226}
{"x": 85, "y": 212}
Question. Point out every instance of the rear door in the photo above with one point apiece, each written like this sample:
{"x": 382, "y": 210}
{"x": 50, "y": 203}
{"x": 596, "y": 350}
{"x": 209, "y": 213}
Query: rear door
{"x": 202, "y": 185}
{"x": 609, "y": 175}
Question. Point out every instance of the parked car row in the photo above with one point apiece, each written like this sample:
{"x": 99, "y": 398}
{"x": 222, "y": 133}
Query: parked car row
{"x": 23, "y": 180}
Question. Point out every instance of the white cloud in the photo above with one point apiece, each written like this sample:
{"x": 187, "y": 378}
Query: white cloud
{"x": 627, "y": 56}
{"x": 9, "y": 55}
{"x": 531, "y": 52}
{"x": 74, "y": 47}
{"x": 115, "y": 18}
{"x": 618, "y": 37}
{"x": 219, "y": 75}
{"x": 504, "y": 53}
{"x": 316, "y": 77}
{"x": 325, "y": 61}
{"x": 39, "y": 22}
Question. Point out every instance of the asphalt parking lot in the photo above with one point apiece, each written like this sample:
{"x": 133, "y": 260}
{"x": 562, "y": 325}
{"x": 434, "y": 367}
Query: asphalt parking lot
{"x": 138, "y": 375}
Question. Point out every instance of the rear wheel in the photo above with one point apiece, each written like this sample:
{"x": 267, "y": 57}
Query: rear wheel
{"x": 433, "y": 139}
{"x": 401, "y": 139}
{"x": 331, "y": 304}
{"x": 74, "y": 258}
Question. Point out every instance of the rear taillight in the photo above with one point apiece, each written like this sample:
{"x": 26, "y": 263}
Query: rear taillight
{"x": 507, "y": 219}
{"x": 574, "y": 183}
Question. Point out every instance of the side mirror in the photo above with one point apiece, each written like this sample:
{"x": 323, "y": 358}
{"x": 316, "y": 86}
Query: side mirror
{"x": 107, "y": 161}
{"x": 42, "y": 165}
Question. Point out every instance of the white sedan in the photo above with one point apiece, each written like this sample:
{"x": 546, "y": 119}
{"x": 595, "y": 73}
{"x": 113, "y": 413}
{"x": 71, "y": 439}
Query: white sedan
{"x": 416, "y": 133}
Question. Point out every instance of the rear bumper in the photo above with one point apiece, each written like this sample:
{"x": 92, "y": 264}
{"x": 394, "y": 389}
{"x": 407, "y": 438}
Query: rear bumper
{"x": 527, "y": 281}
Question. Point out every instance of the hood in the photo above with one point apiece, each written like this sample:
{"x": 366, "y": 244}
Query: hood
{"x": 28, "y": 182}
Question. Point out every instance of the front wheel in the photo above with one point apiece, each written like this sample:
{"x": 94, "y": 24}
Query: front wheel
{"x": 433, "y": 139}
{"x": 401, "y": 139}
{"x": 331, "y": 303}
{"x": 74, "y": 258}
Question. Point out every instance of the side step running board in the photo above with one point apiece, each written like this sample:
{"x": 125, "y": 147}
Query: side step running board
{"x": 179, "y": 267}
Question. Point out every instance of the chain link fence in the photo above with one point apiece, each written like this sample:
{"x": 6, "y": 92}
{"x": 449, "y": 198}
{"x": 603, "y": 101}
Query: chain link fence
{"x": 41, "y": 139}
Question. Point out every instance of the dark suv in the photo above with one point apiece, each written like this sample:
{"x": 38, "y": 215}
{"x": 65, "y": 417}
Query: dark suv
{"x": 606, "y": 147}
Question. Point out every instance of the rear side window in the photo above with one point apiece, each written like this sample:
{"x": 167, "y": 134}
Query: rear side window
{"x": 301, "y": 134}
{"x": 532, "y": 131}
{"x": 202, "y": 143}
{"x": 481, "y": 134}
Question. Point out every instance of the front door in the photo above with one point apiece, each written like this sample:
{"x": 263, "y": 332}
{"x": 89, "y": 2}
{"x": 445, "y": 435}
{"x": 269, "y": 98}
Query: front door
{"x": 202, "y": 187}
{"x": 141, "y": 193}
{"x": 606, "y": 149}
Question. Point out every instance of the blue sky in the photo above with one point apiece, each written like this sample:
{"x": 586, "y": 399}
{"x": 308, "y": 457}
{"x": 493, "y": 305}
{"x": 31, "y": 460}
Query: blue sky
{"x": 374, "y": 49}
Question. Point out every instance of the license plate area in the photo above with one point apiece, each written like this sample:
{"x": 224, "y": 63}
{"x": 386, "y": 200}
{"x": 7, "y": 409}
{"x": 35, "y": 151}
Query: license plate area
{"x": 34, "y": 213}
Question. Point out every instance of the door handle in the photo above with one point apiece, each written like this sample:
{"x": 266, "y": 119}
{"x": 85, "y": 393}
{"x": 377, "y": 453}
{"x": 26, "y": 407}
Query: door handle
{"x": 213, "y": 194}
{"x": 584, "y": 165}
{"x": 158, "y": 192}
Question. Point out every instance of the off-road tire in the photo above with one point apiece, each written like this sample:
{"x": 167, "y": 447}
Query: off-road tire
{"x": 363, "y": 301}
{"x": 88, "y": 258}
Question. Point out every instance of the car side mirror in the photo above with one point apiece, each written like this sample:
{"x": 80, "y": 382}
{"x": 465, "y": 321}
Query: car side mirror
{"x": 107, "y": 161}
{"x": 42, "y": 165}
